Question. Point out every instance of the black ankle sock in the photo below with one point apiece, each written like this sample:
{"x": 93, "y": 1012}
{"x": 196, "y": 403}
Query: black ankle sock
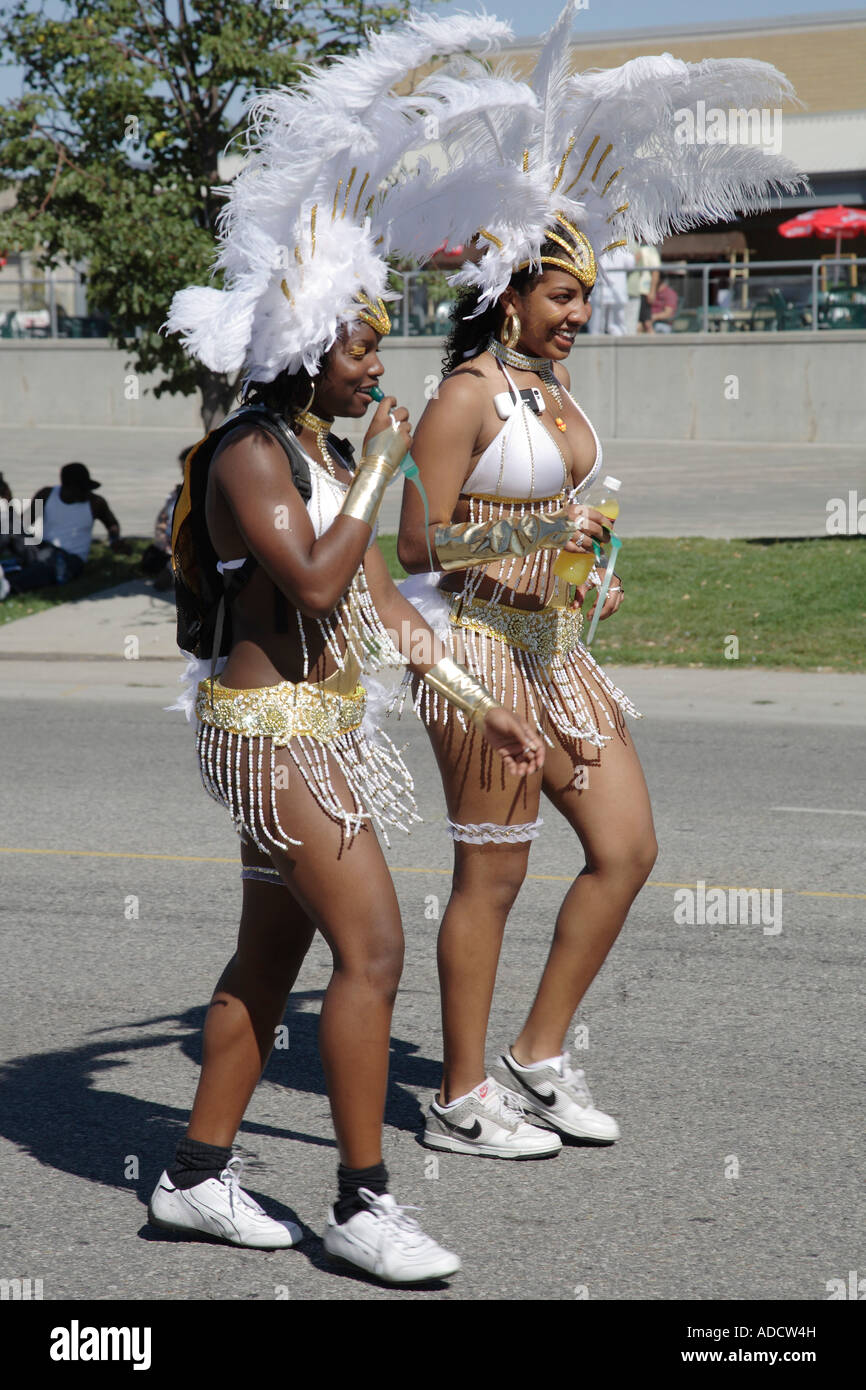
{"x": 195, "y": 1162}
{"x": 350, "y": 1181}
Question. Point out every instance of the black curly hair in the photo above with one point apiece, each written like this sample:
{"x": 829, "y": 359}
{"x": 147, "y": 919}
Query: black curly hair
{"x": 288, "y": 394}
{"x": 468, "y": 335}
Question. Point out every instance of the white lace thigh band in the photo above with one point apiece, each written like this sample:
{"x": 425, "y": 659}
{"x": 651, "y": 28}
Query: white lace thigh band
{"x": 261, "y": 873}
{"x": 488, "y": 833}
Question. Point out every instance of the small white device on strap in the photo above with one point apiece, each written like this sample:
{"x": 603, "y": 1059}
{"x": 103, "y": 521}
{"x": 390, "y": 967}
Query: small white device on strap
{"x": 504, "y": 403}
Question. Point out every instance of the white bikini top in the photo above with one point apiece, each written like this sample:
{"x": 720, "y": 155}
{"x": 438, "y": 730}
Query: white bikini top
{"x": 524, "y": 460}
{"x": 324, "y": 506}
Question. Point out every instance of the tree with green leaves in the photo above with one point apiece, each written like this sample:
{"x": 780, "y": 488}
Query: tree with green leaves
{"x": 113, "y": 151}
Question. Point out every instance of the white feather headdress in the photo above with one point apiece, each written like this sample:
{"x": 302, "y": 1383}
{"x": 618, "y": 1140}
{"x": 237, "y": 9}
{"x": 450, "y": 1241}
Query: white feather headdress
{"x": 337, "y": 178}
{"x": 606, "y": 154}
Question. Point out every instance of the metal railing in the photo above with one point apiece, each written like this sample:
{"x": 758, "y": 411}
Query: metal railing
{"x": 712, "y": 297}
{"x": 768, "y": 295}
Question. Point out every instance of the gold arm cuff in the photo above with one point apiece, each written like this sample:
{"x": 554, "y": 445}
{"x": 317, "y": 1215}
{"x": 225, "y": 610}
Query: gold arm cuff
{"x": 462, "y": 689}
{"x": 484, "y": 542}
{"x": 366, "y": 491}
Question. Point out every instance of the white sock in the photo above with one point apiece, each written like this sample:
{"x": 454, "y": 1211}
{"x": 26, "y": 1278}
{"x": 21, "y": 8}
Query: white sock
{"x": 451, "y": 1104}
{"x": 534, "y": 1066}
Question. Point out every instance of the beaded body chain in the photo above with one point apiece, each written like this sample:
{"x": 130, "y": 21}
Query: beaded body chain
{"x": 353, "y": 632}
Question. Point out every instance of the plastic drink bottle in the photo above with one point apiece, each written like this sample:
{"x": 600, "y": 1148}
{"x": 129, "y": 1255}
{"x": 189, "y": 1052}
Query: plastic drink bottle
{"x": 574, "y": 568}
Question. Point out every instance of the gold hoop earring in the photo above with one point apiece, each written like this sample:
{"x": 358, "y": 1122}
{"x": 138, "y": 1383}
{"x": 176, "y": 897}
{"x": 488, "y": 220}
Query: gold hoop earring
{"x": 509, "y": 334}
{"x": 310, "y": 401}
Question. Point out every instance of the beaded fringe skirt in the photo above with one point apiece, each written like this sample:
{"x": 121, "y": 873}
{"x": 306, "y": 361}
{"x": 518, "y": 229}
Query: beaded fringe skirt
{"x": 241, "y": 731}
{"x": 532, "y": 661}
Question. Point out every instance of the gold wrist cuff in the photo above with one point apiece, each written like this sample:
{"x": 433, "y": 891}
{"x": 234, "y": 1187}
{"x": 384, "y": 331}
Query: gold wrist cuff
{"x": 388, "y": 447}
{"x": 484, "y": 542}
{"x": 375, "y": 471}
{"x": 462, "y": 689}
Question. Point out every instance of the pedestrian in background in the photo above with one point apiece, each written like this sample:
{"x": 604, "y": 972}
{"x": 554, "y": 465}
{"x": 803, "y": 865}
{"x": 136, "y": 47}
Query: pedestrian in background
{"x": 68, "y": 514}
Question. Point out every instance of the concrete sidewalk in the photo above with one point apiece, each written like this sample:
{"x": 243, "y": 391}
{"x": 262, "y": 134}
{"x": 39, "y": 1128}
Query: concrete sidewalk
{"x": 120, "y": 644}
{"x": 130, "y": 622}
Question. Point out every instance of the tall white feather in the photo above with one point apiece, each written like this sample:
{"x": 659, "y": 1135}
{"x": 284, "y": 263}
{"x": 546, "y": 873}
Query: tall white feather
{"x": 291, "y": 280}
{"x": 629, "y": 119}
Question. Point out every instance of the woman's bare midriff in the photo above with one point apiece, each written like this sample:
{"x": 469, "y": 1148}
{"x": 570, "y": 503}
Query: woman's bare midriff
{"x": 260, "y": 655}
{"x": 515, "y": 574}
{"x": 578, "y": 448}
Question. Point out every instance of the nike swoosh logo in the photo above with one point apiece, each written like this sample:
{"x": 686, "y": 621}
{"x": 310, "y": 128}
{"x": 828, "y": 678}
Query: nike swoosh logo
{"x": 545, "y": 1100}
{"x": 472, "y": 1133}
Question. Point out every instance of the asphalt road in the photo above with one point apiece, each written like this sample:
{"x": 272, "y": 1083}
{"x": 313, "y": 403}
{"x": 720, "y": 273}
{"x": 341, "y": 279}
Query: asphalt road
{"x": 731, "y": 1055}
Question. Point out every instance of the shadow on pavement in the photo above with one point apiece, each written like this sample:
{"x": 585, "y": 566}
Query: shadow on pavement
{"x": 51, "y": 1108}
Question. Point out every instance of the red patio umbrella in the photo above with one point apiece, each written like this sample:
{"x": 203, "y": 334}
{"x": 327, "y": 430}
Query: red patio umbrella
{"x": 842, "y": 223}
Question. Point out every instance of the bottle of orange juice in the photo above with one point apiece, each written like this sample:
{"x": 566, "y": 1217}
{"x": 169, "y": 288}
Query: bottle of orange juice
{"x": 574, "y": 568}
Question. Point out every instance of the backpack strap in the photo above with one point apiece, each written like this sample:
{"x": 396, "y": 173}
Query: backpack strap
{"x": 217, "y": 640}
{"x": 275, "y": 426}
{"x": 345, "y": 449}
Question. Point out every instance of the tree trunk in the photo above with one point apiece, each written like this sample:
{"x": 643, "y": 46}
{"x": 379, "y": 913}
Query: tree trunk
{"x": 218, "y": 394}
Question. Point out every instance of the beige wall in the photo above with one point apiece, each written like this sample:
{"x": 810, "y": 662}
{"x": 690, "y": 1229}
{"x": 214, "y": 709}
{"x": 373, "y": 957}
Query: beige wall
{"x": 795, "y": 387}
{"x": 826, "y": 62}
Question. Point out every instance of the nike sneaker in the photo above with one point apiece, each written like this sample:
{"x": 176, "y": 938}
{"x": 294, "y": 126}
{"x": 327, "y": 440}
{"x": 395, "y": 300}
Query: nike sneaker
{"x": 219, "y": 1207}
{"x": 385, "y": 1241}
{"x": 560, "y": 1094}
{"x": 490, "y": 1121}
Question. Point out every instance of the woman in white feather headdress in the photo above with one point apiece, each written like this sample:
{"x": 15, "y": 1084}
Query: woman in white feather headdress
{"x": 334, "y": 180}
{"x": 503, "y": 450}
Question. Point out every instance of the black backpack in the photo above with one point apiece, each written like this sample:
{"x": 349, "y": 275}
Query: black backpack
{"x": 202, "y": 595}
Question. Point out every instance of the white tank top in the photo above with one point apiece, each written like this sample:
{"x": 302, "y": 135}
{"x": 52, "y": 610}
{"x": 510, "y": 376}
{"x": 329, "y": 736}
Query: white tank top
{"x": 523, "y": 460}
{"x": 327, "y": 496}
{"x": 67, "y": 524}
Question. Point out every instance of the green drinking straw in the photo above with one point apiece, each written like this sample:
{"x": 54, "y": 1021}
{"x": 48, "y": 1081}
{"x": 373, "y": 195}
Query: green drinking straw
{"x": 615, "y": 544}
{"x": 409, "y": 469}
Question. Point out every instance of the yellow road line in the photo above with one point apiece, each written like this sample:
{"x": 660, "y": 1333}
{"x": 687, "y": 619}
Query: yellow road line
{"x": 120, "y": 854}
{"x": 399, "y": 869}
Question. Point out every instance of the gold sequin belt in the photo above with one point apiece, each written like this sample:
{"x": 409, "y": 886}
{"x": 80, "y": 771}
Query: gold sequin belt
{"x": 546, "y": 632}
{"x": 281, "y": 712}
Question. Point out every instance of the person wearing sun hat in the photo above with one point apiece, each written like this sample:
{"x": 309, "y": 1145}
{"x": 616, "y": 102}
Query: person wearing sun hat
{"x": 68, "y": 513}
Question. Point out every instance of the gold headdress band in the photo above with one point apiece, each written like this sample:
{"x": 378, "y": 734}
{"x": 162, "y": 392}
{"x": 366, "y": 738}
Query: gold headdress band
{"x": 376, "y": 315}
{"x": 580, "y": 256}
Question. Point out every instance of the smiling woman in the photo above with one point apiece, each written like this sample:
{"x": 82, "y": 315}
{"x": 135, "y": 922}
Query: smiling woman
{"x": 603, "y": 162}
{"x": 521, "y": 628}
{"x": 275, "y": 504}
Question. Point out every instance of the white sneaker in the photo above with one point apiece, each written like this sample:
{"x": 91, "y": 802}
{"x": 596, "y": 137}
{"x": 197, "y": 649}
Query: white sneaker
{"x": 561, "y": 1095}
{"x": 490, "y": 1121}
{"x": 386, "y": 1242}
{"x": 219, "y": 1207}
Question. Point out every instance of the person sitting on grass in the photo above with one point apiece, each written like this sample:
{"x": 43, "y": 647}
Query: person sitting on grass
{"x": 68, "y": 514}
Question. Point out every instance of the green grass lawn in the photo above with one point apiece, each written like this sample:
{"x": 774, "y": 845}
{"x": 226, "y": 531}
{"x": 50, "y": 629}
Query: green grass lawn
{"x": 103, "y": 570}
{"x": 788, "y": 603}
